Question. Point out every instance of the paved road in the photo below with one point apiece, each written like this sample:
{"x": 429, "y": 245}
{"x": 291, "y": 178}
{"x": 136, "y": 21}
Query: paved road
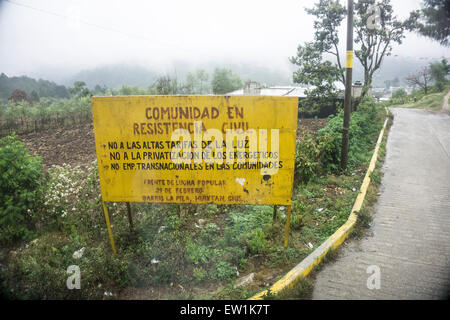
{"x": 410, "y": 236}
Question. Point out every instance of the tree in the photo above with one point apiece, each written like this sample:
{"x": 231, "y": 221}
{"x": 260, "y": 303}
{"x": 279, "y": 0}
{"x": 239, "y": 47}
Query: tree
{"x": 224, "y": 81}
{"x": 377, "y": 30}
{"x": 80, "y": 89}
{"x": 421, "y": 79}
{"x": 165, "y": 85}
{"x": 313, "y": 68}
{"x": 434, "y": 20}
{"x": 439, "y": 72}
{"x": 202, "y": 77}
{"x": 197, "y": 82}
{"x": 18, "y": 95}
{"x": 399, "y": 94}
{"x": 373, "y": 42}
{"x": 34, "y": 96}
{"x": 100, "y": 89}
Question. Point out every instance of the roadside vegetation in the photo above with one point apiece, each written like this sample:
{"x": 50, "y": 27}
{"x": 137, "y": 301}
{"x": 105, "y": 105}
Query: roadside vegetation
{"x": 418, "y": 100}
{"x": 173, "y": 252}
{"x": 432, "y": 84}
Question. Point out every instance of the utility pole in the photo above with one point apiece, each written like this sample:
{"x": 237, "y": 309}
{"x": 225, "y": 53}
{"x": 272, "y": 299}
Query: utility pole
{"x": 348, "y": 87}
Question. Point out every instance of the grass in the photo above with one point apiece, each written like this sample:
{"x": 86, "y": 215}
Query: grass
{"x": 431, "y": 102}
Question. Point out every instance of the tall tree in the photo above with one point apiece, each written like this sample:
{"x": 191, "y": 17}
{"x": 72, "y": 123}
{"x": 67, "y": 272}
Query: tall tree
{"x": 434, "y": 20}
{"x": 197, "y": 82}
{"x": 18, "y": 95}
{"x": 421, "y": 79}
{"x": 376, "y": 31}
{"x": 314, "y": 69}
{"x": 166, "y": 85}
{"x": 224, "y": 81}
{"x": 80, "y": 89}
{"x": 439, "y": 72}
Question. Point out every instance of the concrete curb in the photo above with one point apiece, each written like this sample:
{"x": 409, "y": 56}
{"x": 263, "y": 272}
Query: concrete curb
{"x": 304, "y": 268}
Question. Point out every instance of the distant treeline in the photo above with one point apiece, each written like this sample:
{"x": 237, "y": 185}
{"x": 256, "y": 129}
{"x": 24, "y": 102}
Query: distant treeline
{"x": 33, "y": 88}
{"x": 24, "y": 111}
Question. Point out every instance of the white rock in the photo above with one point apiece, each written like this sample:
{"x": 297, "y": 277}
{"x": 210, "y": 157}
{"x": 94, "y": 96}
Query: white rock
{"x": 154, "y": 261}
{"x": 244, "y": 281}
{"x": 320, "y": 209}
{"x": 79, "y": 253}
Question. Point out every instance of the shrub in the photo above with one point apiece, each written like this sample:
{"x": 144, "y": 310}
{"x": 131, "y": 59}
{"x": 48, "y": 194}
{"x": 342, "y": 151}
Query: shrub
{"x": 306, "y": 159}
{"x": 20, "y": 189}
{"x": 322, "y": 154}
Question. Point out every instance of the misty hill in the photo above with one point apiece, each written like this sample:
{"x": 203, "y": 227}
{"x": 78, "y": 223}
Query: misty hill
{"x": 42, "y": 87}
{"x": 114, "y": 76}
{"x": 393, "y": 67}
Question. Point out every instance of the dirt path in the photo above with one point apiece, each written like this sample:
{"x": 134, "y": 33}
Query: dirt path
{"x": 410, "y": 240}
{"x": 445, "y": 105}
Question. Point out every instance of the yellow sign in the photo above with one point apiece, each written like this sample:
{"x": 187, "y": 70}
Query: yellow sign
{"x": 349, "y": 64}
{"x": 196, "y": 149}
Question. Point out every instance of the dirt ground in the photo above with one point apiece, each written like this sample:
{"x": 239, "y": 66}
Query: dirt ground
{"x": 75, "y": 145}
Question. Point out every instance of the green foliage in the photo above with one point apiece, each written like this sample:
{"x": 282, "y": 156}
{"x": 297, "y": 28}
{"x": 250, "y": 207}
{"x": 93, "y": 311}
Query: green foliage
{"x": 197, "y": 83}
{"x": 42, "y": 87}
{"x": 372, "y": 45}
{"x": 24, "y": 117}
{"x": 80, "y": 89}
{"x": 223, "y": 271}
{"x": 224, "y": 81}
{"x": 419, "y": 100}
{"x": 363, "y": 223}
{"x": 20, "y": 189}
{"x": 306, "y": 159}
{"x": 165, "y": 85}
{"x": 439, "y": 72}
{"x": 399, "y": 97}
{"x": 321, "y": 154}
{"x": 433, "y": 22}
{"x": 257, "y": 242}
{"x": 314, "y": 69}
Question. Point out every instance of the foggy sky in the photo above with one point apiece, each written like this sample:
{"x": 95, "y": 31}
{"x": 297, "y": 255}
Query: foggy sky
{"x": 50, "y": 37}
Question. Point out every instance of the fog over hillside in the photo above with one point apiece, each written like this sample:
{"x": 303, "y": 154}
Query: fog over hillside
{"x": 112, "y": 43}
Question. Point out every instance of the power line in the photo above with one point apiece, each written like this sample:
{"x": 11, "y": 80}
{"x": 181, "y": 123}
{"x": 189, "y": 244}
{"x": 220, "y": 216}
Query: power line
{"x": 88, "y": 23}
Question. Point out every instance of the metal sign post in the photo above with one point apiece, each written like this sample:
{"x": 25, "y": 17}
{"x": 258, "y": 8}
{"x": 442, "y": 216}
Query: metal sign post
{"x": 108, "y": 225}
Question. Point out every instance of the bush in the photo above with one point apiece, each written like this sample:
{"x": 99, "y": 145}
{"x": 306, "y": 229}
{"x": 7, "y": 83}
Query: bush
{"x": 306, "y": 159}
{"x": 321, "y": 154}
{"x": 20, "y": 189}
{"x": 399, "y": 97}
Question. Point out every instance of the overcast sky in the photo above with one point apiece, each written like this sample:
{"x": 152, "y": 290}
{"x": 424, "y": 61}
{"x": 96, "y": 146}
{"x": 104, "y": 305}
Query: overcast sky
{"x": 48, "y": 36}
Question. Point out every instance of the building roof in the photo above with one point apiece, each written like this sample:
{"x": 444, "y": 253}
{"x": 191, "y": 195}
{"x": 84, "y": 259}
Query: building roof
{"x": 278, "y": 91}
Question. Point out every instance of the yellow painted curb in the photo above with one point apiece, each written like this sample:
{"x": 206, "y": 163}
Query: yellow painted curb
{"x": 335, "y": 240}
